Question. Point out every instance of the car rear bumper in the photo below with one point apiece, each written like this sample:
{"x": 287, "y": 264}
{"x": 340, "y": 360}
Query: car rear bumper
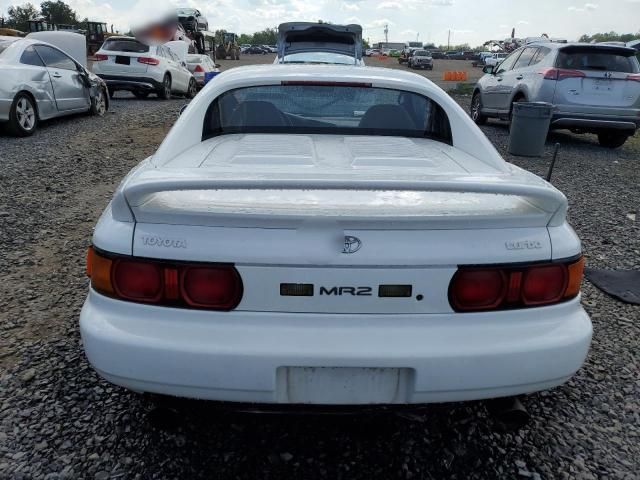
{"x": 256, "y": 357}
{"x": 595, "y": 122}
{"x": 117, "y": 82}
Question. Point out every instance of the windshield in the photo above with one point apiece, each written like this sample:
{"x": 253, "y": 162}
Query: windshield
{"x": 319, "y": 57}
{"x": 311, "y": 108}
{"x": 186, "y": 11}
{"x": 125, "y": 45}
{"x": 421, "y": 53}
{"x": 597, "y": 59}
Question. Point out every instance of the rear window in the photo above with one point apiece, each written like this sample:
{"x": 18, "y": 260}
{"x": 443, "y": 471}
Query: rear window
{"x": 585, "y": 58}
{"x": 125, "y": 45}
{"x": 326, "y": 109}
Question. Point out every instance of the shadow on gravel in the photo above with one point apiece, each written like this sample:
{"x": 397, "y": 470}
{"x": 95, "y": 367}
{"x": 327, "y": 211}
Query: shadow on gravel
{"x": 430, "y": 442}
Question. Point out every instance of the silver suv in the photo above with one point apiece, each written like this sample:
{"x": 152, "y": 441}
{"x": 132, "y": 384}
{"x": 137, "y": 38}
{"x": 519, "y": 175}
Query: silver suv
{"x": 421, "y": 59}
{"x": 595, "y": 88}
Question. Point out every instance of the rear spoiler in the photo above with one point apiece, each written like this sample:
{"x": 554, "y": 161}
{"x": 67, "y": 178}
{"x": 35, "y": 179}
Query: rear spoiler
{"x": 302, "y": 37}
{"x": 136, "y": 191}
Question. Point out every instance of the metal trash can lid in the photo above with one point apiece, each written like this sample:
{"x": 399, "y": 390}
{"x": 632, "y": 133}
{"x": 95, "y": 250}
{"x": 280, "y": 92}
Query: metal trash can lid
{"x": 533, "y": 109}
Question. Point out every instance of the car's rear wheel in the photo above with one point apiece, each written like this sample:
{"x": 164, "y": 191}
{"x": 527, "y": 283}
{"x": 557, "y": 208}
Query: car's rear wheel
{"x": 193, "y": 89}
{"x": 165, "y": 91}
{"x": 141, "y": 95}
{"x": 612, "y": 139}
{"x": 23, "y": 117}
{"x": 99, "y": 104}
{"x": 476, "y": 110}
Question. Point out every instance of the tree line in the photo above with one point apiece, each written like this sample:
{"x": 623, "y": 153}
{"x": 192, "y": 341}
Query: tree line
{"x": 56, "y": 12}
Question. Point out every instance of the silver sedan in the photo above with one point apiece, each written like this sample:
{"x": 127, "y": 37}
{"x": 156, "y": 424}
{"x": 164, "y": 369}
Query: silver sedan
{"x": 40, "y": 81}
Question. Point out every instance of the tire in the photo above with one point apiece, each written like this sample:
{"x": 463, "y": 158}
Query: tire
{"x": 165, "y": 91}
{"x": 193, "y": 89}
{"x": 476, "y": 110}
{"x": 141, "y": 95}
{"x": 612, "y": 139}
{"x": 23, "y": 116}
{"x": 99, "y": 104}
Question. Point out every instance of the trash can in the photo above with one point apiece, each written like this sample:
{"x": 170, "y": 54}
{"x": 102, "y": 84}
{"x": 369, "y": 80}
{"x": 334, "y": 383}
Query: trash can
{"x": 529, "y": 127}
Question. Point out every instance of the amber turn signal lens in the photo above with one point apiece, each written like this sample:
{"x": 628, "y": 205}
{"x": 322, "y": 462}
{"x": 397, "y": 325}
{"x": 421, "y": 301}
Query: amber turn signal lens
{"x": 576, "y": 271}
{"x": 99, "y": 269}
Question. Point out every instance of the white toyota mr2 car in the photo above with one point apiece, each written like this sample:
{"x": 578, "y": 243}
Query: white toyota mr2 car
{"x": 333, "y": 235}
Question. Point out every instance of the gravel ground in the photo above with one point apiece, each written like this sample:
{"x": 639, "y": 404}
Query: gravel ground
{"x": 59, "y": 420}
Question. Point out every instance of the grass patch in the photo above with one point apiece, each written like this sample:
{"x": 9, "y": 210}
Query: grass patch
{"x": 462, "y": 89}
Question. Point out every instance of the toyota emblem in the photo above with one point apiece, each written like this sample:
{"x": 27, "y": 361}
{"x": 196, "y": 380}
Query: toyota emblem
{"x": 351, "y": 244}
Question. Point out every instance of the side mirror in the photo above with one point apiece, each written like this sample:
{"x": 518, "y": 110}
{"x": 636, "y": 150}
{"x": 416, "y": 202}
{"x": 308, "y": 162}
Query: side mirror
{"x": 488, "y": 69}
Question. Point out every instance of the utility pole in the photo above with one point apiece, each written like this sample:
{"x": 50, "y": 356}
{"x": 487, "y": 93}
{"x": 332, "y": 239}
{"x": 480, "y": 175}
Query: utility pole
{"x": 386, "y": 33}
{"x": 449, "y": 41}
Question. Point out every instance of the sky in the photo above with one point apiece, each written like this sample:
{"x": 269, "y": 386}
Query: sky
{"x": 469, "y": 21}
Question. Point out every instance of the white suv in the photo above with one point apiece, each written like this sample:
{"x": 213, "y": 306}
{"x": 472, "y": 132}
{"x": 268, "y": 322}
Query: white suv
{"x": 125, "y": 63}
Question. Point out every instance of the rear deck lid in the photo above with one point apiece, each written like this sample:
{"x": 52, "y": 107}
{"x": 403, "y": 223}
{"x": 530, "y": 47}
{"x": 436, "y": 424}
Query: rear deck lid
{"x": 303, "y": 37}
{"x": 281, "y": 181}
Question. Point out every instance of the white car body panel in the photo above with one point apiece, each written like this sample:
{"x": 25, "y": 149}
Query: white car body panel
{"x": 240, "y": 357}
{"x": 278, "y": 207}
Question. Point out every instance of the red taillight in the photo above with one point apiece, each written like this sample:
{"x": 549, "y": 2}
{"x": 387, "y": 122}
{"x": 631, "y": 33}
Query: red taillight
{"x": 635, "y": 77}
{"x": 210, "y": 287}
{"x": 560, "y": 73}
{"x": 148, "y": 60}
{"x": 139, "y": 281}
{"x": 477, "y": 289}
{"x": 199, "y": 69}
{"x": 99, "y": 57}
{"x": 177, "y": 284}
{"x": 474, "y": 289}
{"x": 544, "y": 284}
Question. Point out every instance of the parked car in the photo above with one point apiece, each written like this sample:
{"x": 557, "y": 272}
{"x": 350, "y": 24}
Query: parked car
{"x": 270, "y": 48}
{"x": 309, "y": 42}
{"x": 326, "y": 235}
{"x": 40, "y": 81}
{"x": 438, "y": 54}
{"x": 192, "y": 20}
{"x": 372, "y": 52}
{"x": 421, "y": 59}
{"x": 482, "y": 56}
{"x": 256, "y": 50}
{"x": 125, "y": 63}
{"x": 202, "y": 67}
{"x": 495, "y": 58}
{"x": 595, "y": 88}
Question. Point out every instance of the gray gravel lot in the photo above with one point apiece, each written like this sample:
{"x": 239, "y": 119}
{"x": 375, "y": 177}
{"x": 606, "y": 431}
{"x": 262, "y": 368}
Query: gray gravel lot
{"x": 59, "y": 420}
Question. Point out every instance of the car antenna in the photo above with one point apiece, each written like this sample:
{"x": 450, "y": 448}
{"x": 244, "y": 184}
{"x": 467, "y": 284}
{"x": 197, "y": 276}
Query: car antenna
{"x": 553, "y": 162}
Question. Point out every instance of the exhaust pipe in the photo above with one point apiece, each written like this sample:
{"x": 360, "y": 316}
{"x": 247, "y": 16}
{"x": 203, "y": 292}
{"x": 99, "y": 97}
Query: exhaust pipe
{"x": 509, "y": 413}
